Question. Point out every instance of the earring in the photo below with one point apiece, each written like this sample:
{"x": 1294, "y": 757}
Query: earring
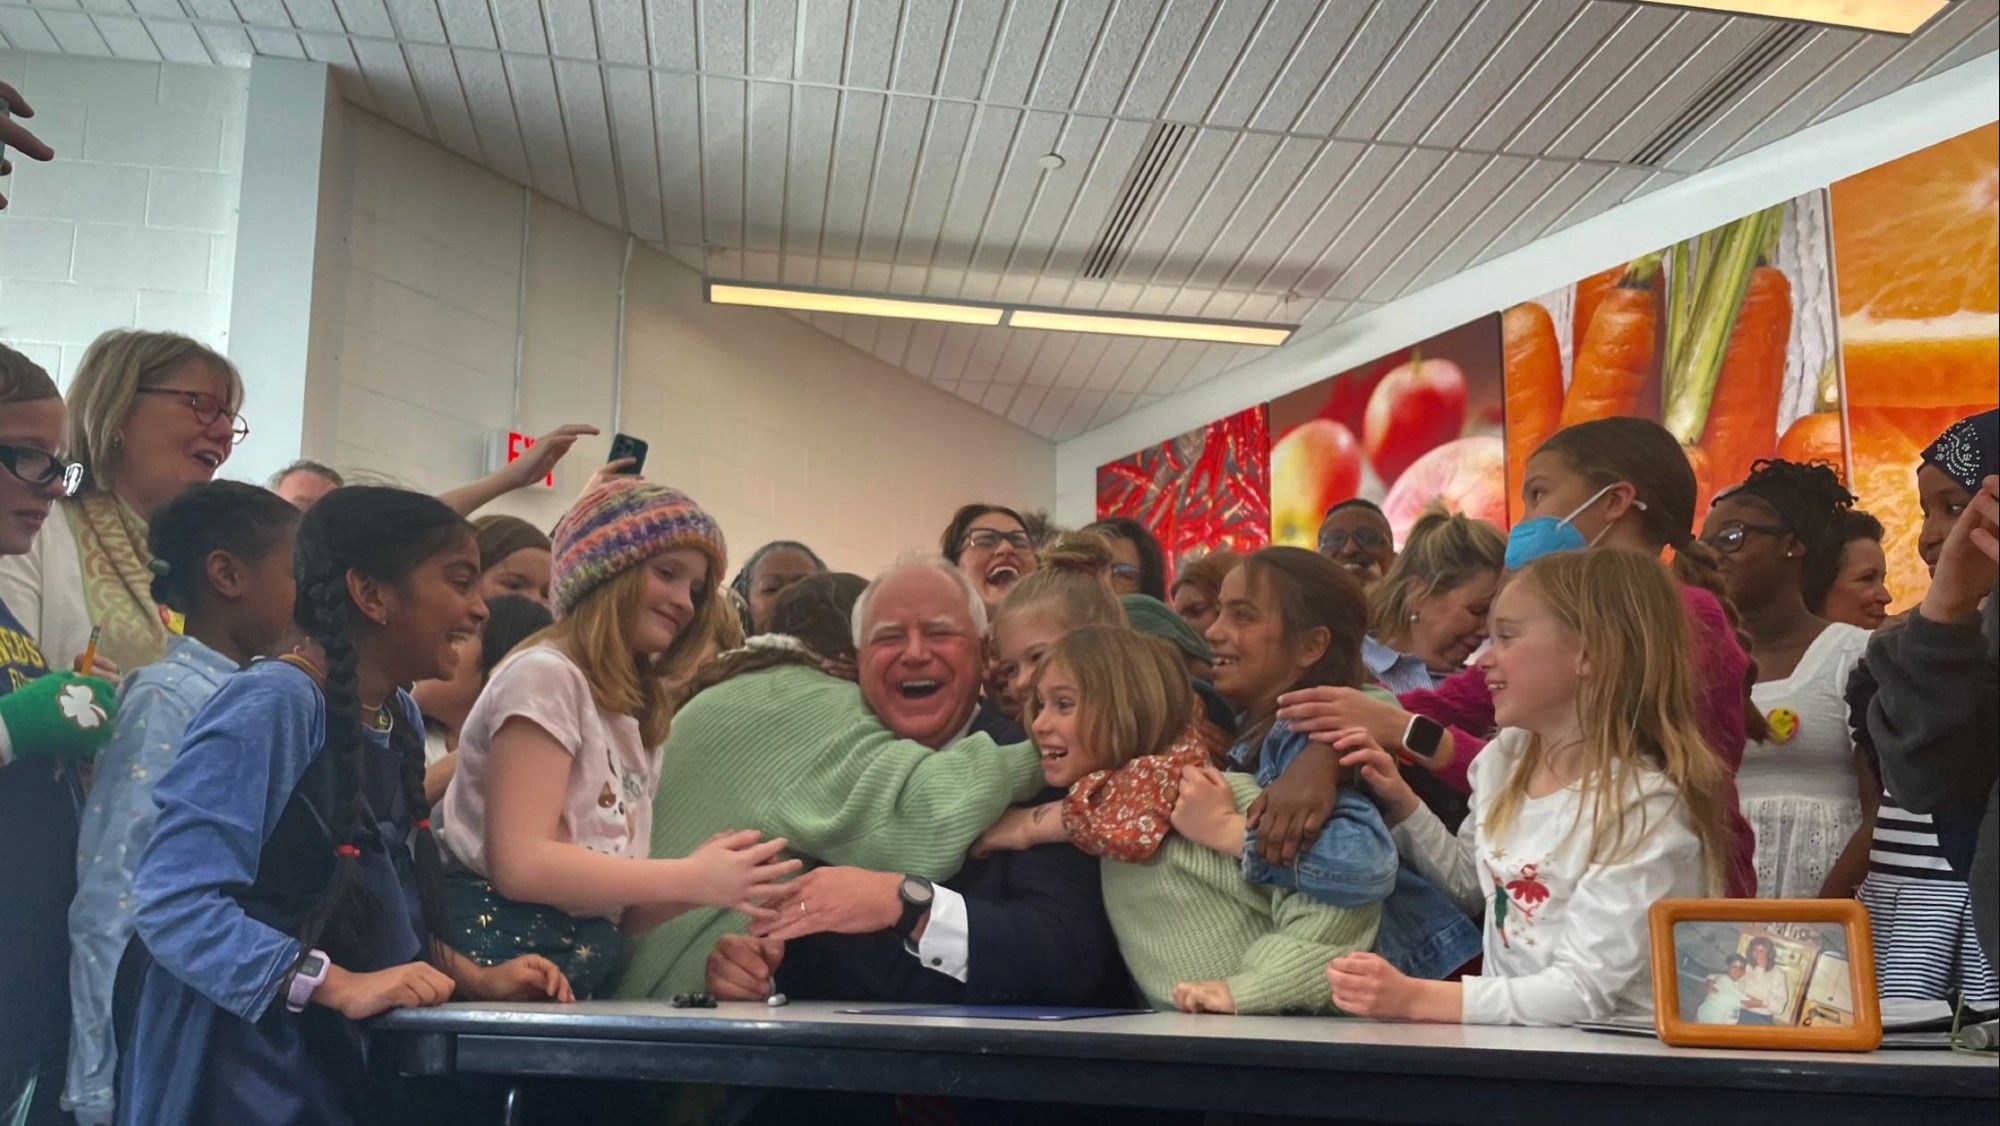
{"x": 1413, "y": 617}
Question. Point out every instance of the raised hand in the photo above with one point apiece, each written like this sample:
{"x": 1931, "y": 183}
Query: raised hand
{"x": 735, "y": 870}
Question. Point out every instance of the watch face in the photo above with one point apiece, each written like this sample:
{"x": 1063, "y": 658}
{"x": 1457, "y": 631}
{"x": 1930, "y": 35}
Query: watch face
{"x": 313, "y": 966}
{"x": 915, "y": 890}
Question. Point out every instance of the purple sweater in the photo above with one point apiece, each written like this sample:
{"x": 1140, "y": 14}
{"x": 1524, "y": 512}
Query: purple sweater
{"x": 1462, "y": 701}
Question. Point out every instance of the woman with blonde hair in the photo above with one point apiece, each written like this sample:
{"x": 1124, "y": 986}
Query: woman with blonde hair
{"x": 1598, "y": 798}
{"x": 1428, "y": 614}
{"x": 151, "y": 413}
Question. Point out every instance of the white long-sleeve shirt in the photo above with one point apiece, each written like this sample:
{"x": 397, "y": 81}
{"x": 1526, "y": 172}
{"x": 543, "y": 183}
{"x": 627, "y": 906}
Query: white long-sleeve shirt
{"x": 1565, "y": 939}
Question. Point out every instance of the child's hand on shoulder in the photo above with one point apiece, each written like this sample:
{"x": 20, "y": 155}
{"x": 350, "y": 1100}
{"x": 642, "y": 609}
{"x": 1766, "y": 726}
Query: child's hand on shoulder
{"x": 413, "y": 985}
{"x": 1204, "y": 997}
{"x": 530, "y": 977}
{"x": 735, "y": 870}
{"x": 1379, "y": 773}
{"x": 1290, "y": 813}
{"x": 1205, "y": 812}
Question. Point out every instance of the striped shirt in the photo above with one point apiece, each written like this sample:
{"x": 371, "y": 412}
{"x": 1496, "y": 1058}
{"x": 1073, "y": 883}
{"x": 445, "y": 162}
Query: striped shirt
{"x": 1906, "y": 844}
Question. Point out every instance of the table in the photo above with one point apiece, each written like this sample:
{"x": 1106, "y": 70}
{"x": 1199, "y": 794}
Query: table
{"x": 1278, "y": 1065}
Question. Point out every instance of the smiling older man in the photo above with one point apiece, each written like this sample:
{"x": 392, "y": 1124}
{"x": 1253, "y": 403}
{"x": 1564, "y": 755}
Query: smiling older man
{"x": 886, "y": 778}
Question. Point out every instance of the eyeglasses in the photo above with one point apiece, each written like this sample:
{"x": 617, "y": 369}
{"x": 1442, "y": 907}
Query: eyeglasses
{"x": 1367, "y": 539}
{"x": 989, "y": 539}
{"x": 1730, "y": 539}
{"x": 207, "y": 408}
{"x": 1127, "y": 572}
{"x": 41, "y": 469}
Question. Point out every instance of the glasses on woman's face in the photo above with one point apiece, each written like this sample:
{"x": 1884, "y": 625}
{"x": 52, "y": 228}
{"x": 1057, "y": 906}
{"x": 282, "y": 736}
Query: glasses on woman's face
{"x": 1729, "y": 538}
{"x": 207, "y": 408}
{"x": 990, "y": 539}
{"x": 1335, "y": 540}
{"x": 41, "y": 469}
{"x": 1126, "y": 573}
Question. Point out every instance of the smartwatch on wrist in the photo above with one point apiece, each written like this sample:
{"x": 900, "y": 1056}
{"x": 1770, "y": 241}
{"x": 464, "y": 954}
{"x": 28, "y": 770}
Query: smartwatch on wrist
{"x": 916, "y": 894}
{"x": 1421, "y": 739}
{"x": 310, "y": 975}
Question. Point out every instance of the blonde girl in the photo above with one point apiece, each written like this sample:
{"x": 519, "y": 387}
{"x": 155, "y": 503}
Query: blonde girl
{"x": 548, "y": 821}
{"x": 1597, "y": 798}
{"x": 1071, "y": 589}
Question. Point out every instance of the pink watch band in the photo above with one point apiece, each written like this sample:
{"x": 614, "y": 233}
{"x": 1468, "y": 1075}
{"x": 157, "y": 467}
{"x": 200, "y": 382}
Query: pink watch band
{"x": 306, "y": 979}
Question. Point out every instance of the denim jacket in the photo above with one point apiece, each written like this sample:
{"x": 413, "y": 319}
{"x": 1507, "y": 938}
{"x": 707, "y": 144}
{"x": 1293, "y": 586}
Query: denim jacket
{"x": 1354, "y": 863}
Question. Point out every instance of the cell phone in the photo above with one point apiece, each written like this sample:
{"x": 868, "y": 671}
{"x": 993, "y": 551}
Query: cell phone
{"x": 624, "y": 446}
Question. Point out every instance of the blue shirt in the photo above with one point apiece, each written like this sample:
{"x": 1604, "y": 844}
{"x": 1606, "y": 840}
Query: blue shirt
{"x": 1398, "y": 672}
{"x": 154, "y": 707}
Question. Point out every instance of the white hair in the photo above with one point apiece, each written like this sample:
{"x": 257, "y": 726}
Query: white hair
{"x": 975, "y": 607}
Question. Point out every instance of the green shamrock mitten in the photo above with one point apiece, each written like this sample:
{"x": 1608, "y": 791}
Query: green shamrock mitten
{"x": 61, "y": 715}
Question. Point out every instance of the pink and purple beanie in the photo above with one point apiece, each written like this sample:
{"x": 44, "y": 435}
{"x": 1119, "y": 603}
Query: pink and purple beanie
{"x": 621, "y": 524}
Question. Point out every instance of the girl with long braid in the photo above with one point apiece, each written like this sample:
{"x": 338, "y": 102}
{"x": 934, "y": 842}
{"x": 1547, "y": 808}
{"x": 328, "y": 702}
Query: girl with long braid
{"x": 290, "y": 886}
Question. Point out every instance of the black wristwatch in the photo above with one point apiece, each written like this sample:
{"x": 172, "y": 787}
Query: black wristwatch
{"x": 916, "y": 894}
{"x": 1423, "y": 737}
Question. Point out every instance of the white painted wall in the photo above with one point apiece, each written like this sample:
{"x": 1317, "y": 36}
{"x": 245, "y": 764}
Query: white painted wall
{"x": 1917, "y": 116}
{"x": 776, "y": 428}
{"x": 134, "y": 223}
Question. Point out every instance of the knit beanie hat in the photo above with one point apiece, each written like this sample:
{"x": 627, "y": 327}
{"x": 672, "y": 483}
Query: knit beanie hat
{"x": 619, "y": 525}
{"x": 1155, "y": 618}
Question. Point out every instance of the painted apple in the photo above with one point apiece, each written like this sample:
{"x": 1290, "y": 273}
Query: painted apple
{"x": 1415, "y": 408}
{"x": 1315, "y": 466}
{"x": 1347, "y": 400}
{"x": 1468, "y": 474}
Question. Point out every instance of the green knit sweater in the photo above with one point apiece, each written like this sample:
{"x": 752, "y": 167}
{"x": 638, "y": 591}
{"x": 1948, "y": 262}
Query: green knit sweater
{"x": 1188, "y": 914}
{"x": 794, "y": 753}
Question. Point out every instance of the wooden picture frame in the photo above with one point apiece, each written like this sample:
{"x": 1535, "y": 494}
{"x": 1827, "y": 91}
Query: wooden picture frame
{"x": 1793, "y": 974}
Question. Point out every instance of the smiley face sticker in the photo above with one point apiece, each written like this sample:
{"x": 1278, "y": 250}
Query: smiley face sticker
{"x": 1784, "y": 724}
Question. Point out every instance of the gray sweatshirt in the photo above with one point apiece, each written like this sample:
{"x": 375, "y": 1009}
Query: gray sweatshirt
{"x": 1935, "y": 722}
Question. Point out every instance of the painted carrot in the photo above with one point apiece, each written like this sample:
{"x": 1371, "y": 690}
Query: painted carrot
{"x": 1743, "y": 413}
{"x": 1589, "y": 292}
{"x": 1534, "y": 382}
{"x": 1704, "y": 482}
{"x": 1616, "y": 361}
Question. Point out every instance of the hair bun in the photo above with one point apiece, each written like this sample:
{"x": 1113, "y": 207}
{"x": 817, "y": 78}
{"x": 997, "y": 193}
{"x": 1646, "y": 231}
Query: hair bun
{"x": 1086, "y": 553}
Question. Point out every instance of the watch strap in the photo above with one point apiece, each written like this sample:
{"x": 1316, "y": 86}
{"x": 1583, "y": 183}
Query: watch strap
{"x": 302, "y": 985}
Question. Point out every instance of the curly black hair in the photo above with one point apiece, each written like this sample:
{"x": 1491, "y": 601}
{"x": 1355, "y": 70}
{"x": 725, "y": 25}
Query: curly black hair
{"x": 1812, "y": 503}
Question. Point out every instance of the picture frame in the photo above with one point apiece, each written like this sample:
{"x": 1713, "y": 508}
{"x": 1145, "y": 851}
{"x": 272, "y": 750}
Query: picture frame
{"x": 1791, "y": 974}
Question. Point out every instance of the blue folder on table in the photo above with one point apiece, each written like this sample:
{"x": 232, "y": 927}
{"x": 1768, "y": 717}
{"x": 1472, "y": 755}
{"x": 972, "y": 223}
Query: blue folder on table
{"x": 995, "y": 1012}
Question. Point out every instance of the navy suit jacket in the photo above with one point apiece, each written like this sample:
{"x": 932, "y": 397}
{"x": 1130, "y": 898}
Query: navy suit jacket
{"x": 1038, "y": 936}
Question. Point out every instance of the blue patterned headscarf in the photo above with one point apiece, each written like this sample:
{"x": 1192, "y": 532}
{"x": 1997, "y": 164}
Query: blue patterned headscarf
{"x": 1968, "y": 452}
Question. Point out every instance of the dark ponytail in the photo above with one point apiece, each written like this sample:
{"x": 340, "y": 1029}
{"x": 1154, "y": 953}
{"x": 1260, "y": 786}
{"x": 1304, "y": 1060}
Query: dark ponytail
{"x": 1643, "y": 454}
{"x": 243, "y": 520}
{"x": 383, "y": 534}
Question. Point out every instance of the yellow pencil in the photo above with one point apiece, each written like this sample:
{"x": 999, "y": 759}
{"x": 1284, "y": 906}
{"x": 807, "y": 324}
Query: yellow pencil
{"x": 89, "y": 657}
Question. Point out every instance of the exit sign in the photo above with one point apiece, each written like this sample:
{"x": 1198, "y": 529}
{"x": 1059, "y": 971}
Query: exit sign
{"x": 510, "y": 446}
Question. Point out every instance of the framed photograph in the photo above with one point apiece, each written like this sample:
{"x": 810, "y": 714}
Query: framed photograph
{"x": 1797, "y": 974}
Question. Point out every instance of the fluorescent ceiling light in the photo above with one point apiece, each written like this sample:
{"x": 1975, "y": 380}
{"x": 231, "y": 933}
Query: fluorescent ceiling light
{"x": 859, "y": 304}
{"x": 1897, "y": 17}
{"x": 812, "y": 300}
{"x": 1172, "y": 328}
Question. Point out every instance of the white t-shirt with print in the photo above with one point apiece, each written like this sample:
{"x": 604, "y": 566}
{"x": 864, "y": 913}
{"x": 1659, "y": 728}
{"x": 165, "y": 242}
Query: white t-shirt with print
{"x": 1566, "y": 939}
{"x": 608, "y": 803}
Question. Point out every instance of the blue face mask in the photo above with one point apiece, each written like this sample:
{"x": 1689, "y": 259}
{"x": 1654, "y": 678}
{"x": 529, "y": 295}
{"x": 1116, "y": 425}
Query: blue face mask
{"x": 1546, "y": 535}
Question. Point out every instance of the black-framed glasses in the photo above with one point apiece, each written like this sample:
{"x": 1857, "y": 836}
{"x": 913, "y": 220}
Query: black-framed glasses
{"x": 207, "y": 408}
{"x": 41, "y": 469}
{"x": 990, "y": 539}
{"x": 1336, "y": 540}
{"x": 1729, "y": 539}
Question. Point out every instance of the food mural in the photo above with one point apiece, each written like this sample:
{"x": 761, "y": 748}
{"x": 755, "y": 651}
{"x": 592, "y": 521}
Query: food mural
{"x": 1848, "y": 326}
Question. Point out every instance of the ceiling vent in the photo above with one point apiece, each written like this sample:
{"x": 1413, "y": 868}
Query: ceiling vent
{"x": 1762, "y": 56}
{"x": 1162, "y": 147}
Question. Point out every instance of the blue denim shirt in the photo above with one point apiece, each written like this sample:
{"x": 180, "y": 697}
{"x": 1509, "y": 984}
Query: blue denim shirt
{"x": 1398, "y": 672}
{"x": 1354, "y": 863}
{"x": 155, "y": 704}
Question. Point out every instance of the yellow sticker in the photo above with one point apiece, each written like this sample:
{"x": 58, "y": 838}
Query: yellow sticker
{"x": 1784, "y": 724}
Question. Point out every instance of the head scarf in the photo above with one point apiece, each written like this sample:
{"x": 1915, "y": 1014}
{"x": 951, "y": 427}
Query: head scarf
{"x": 1969, "y": 451}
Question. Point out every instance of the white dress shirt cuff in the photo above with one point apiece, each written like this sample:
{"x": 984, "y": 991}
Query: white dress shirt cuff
{"x": 946, "y": 946}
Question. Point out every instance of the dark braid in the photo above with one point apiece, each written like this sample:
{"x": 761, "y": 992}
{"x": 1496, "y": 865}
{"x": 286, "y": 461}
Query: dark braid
{"x": 383, "y": 534}
{"x": 230, "y": 516}
{"x": 1813, "y": 505}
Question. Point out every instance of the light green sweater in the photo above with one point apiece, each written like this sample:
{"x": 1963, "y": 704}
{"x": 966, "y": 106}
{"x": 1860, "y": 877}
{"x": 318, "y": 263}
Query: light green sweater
{"x": 1188, "y": 914}
{"x": 794, "y": 753}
